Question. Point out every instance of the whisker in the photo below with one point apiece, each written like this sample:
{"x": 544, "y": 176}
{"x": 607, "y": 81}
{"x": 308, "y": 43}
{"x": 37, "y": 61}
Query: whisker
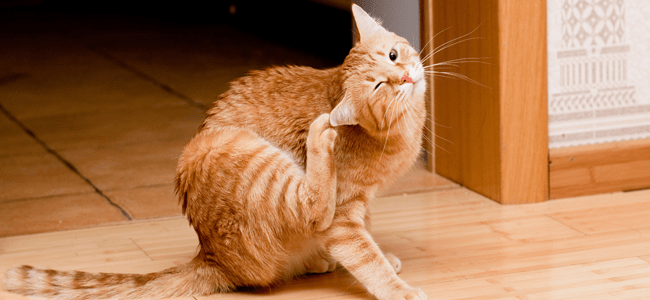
{"x": 454, "y": 62}
{"x": 444, "y": 76}
{"x": 383, "y": 119}
{"x": 411, "y": 108}
{"x": 445, "y": 64}
{"x": 435, "y": 123}
{"x": 452, "y": 42}
{"x": 389, "y": 125}
{"x": 441, "y": 32}
{"x": 429, "y": 141}
{"x": 434, "y": 36}
{"x": 439, "y": 147}
{"x": 430, "y": 40}
{"x": 436, "y": 51}
{"x": 463, "y": 77}
{"x": 408, "y": 115}
{"x": 425, "y": 46}
{"x": 457, "y": 76}
{"x": 469, "y": 59}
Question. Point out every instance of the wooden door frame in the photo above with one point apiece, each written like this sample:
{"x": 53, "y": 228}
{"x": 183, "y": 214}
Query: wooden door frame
{"x": 426, "y": 47}
{"x": 493, "y": 139}
{"x": 505, "y": 155}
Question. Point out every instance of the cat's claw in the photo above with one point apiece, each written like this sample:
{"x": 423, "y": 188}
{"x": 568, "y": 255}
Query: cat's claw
{"x": 394, "y": 261}
{"x": 407, "y": 293}
{"x": 413, "y": 294}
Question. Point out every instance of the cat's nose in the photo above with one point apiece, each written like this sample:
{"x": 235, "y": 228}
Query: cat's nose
{"x": 406, "y": 78}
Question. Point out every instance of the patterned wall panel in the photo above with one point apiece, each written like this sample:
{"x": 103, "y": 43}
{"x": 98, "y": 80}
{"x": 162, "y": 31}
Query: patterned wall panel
{"x": 598, "y": 71}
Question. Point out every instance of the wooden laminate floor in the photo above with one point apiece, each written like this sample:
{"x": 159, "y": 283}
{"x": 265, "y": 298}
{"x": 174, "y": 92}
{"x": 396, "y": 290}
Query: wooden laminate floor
{"x": 453, "y": 243}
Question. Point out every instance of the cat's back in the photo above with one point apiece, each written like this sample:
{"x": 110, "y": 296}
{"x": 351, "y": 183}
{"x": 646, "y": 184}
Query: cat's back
{"x": 278, "y": 104}
{"x": 283, "y": 93}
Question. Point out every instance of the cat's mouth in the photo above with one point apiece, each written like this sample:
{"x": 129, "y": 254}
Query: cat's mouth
{"x": 413, "y": 75}
{"x": 406, "y": 78}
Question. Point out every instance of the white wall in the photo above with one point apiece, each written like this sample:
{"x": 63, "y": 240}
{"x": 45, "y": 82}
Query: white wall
{"x": 401, "y": 17}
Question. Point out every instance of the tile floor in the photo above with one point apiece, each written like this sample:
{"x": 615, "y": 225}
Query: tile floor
{"x": 95, "y": 110}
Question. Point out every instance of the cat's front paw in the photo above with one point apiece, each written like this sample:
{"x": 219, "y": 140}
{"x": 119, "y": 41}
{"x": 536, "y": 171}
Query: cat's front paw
{"x": 394, "y": 261}
{"x": 321, "y": 135}
{"x": 409, "y": 294}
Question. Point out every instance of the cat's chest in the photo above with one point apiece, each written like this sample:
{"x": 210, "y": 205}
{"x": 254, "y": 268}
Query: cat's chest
{"x": 363, "y": 163}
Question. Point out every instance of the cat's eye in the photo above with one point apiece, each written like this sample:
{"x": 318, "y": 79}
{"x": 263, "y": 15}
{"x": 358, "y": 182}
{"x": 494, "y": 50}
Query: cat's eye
{"x": 378, "y": 84}
{"x": 392, "y": 55}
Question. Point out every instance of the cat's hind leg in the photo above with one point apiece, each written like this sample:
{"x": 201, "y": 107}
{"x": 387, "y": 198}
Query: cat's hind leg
{"x": 320, "y": 262}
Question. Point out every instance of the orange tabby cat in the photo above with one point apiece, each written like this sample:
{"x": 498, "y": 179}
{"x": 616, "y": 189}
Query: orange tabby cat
{"x": 260, "y": 218}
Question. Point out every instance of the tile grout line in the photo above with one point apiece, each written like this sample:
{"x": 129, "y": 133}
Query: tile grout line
{"x": 146, "y": 77}
{"x": 14, "y": 200}
{"x": 64, "y": 161}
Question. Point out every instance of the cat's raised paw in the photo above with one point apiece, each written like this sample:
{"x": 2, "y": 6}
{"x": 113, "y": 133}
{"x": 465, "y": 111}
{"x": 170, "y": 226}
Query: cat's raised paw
{"x": 321, "y": 123}
{"x": 321, "y": 134}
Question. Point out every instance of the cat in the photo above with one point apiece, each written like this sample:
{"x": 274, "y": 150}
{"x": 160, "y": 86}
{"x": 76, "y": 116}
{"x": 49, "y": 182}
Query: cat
{"x": 257, "y": 198}
{"x": 278, "y": 180}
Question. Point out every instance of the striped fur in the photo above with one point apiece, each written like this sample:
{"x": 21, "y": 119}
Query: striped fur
{"x": 269, "y": 192}
{"x": 252, "y": 207}
{"x": 380, "y": 141}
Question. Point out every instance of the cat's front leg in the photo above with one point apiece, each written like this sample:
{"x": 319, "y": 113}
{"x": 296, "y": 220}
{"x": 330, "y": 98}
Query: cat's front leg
{"x": 392, "y": 259}
{"x": 348, "y": 241}
{"x": 318, "y": 188}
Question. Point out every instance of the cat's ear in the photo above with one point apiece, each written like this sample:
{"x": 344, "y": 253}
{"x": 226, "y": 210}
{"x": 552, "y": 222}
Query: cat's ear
{"x": 366, "y": 25}
{"x": 344, "y": 113}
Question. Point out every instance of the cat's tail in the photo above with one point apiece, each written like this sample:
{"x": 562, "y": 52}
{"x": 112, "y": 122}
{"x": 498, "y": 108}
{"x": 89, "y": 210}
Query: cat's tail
{"x": 194, "y": 278}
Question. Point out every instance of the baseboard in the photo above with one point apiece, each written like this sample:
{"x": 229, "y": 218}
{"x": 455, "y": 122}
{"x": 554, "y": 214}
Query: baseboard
{"x": 601, "y": 168}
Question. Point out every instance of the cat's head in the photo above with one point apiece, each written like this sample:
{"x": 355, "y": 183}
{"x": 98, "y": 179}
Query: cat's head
{"x": 383, "y": 78}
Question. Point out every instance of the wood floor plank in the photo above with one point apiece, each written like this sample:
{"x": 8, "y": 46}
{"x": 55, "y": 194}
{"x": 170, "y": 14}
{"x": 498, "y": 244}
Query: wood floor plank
{"x": 554, "y": 283}
{"x": 455, "y": 244}
{"x": 621, "y": 217}
{"x": 450, "y": 263}
{"x": 629, "y": 294}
